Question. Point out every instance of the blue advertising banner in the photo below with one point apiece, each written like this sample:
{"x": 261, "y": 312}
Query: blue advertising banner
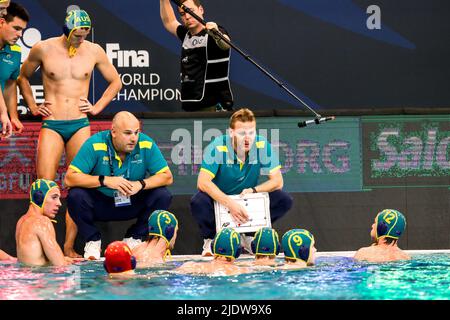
{"x": 332, "y": 54}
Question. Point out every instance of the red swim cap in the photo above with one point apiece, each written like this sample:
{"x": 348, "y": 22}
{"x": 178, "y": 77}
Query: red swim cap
{"x": 118, "y": 258}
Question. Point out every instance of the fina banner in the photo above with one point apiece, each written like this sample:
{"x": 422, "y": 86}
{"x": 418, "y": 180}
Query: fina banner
{"x": 333, "y": 54}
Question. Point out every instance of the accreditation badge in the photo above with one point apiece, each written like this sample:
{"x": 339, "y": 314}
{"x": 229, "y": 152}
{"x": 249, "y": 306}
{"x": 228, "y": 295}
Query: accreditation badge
{"x": 121, "y": 200}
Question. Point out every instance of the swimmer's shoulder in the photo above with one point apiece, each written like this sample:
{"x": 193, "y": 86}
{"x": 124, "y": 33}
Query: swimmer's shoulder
{"x": 31, "y": 223}
{"x": 42, "y": 223}
{"x": 46, "y": 42}
{"x": 44, "y": 45}
{"x": 94, "y": 47}
{"x": 362, "y": 253}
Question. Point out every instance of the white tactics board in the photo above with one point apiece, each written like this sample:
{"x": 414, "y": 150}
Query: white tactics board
{"x": 258, "y": 209}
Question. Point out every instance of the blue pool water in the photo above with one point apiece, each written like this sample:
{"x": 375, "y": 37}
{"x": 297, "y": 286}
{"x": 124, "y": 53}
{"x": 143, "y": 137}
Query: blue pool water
{"x": 425, "y": 277}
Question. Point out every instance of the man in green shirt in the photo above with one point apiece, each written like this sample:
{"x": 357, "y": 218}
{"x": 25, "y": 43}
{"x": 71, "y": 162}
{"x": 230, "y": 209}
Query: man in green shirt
{"x": 12, "y": 25}
{"x": 232, "y": 164}
{"x": 118, "y": 174}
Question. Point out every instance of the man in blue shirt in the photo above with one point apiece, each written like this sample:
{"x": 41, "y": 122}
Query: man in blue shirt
{"x": 118, "y": 174}
{"x": 11, "y": 28}
{"x": 232, "y": 164}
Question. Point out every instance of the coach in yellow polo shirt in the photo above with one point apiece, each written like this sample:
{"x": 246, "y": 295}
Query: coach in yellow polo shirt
{"x": 232, "y": 164}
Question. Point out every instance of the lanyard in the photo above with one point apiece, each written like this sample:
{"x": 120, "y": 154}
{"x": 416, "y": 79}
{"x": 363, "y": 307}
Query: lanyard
{"x": 111, "y": 168}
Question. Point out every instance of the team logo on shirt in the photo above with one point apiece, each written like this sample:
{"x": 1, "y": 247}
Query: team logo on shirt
{"x": 5, "y": 60}
{"x": 136, "y": 159}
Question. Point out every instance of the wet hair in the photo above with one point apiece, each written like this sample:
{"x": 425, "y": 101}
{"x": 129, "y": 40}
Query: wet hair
{"x": 16, "y": 10}
{"x": 390, "y": 240}
{"x": 242, "y": 115}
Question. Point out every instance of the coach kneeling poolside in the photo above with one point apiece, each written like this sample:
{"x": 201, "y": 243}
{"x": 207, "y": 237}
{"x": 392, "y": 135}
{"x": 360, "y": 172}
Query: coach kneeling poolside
{"x": 118, "y": 174}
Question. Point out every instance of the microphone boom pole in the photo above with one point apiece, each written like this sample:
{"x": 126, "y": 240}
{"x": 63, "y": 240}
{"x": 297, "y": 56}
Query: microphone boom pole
{"x": 248, "y": 58}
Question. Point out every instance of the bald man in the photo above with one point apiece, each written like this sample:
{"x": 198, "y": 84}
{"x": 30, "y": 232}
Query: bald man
{"x": 118, "y": 174}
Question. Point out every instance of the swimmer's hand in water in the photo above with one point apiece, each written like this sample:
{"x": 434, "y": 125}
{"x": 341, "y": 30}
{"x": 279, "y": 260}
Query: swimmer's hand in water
{"x": 86, "y": 107}
{"x": 42, "y": 109}
{"x": 70, "y": 260}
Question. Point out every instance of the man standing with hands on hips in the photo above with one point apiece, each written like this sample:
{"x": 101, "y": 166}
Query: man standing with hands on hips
{"x": 118, "y": 174}
{"x": 66, "y": 63}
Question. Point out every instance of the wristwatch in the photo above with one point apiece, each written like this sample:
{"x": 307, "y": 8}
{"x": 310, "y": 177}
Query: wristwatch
{"x": 143, "y": 184}
{"x": 254, "y": 190}
{"x": 101, "y": 179}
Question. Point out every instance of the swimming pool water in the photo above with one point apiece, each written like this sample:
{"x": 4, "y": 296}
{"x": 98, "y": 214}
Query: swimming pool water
{"x": 425, "y": 277}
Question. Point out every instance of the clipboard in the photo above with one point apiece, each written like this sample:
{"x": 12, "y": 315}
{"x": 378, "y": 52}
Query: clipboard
{"x": 258, "y": 209}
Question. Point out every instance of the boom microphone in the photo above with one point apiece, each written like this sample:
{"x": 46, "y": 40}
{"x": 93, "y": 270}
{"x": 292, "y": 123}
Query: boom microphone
{"x": 316, "y": 121}
{"x": 249, "y": 58}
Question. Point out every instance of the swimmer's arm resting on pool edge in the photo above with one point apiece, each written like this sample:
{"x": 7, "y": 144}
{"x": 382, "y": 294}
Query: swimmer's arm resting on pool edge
{"x": 6, "y": 257}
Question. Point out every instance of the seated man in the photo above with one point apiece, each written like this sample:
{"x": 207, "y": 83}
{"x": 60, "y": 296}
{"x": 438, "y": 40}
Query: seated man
{"x": 118, "y": 174}
{"x": 386, "y": 230}
{"x": 35, "y": 234}
{"x": 232, "y": 164}
{"x": 226, "y": 248}
{"x": 162, "y": 234}
{"x": 265, "y": 246}
{"x": 119, "y": 261}
{"x": 4, "y": 257}
{"x": 299, "y": 250}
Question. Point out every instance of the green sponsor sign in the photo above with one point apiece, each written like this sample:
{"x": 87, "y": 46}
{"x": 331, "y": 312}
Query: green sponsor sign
{"x": 319, "y": 158}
